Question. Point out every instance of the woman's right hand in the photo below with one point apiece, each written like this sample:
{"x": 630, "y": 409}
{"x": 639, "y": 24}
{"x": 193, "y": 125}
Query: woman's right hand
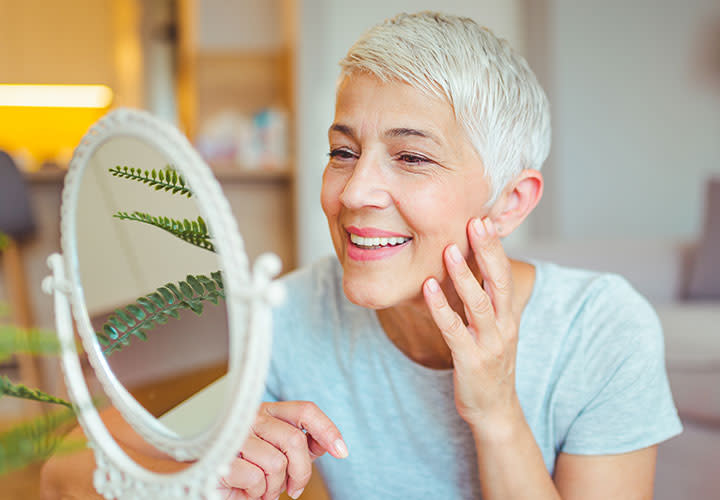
{"x": 284, "y": 441}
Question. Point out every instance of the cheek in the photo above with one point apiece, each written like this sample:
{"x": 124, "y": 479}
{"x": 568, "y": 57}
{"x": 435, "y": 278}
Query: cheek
{"x": 330, "y": 194}
{"x": 439, "y": 214}
{"x": 433, "y": 209}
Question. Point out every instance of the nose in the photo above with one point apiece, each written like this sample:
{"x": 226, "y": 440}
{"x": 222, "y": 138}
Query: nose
{"x": 366, "y": 186}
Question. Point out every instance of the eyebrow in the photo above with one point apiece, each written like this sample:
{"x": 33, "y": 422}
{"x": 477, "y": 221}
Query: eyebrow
{"x": 403, "y": 132}
{"x": 393, "y": 132}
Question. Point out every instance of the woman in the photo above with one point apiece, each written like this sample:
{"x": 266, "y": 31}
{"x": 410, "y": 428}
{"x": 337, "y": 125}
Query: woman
{"x": 424, "y": 358}
{"x": 452, "y": 371}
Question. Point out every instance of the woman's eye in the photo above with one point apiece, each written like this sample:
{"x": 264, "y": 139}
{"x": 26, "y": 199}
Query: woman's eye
{"x": 412, "y": 159}
{"x": 341, "y": 154}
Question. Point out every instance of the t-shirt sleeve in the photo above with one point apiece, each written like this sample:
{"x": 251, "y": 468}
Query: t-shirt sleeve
{"x": 626, "y": 400}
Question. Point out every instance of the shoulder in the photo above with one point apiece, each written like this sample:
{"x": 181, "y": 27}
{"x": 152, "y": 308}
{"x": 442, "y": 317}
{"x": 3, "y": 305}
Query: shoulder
{"x": 592, "y": 298}
{"x": 609, "y": 324}
{"x": 322, "y": 276}
{"x": 317, "y": 283}
{"x": 312, "y": 294}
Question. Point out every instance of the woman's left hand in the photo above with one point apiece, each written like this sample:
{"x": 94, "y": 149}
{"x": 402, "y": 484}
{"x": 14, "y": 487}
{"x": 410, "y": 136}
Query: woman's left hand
{"x": 484, "y": 350}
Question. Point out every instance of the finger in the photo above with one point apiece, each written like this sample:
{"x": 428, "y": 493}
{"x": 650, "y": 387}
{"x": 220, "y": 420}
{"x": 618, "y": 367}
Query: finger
{"x": 460, "y": 341}
{"x": 479, "y": 308}
{"x": 225, "y": 491}
{"x": 306, "y": 416}
{"x": 316, "y": 449}
{"x": 239, "y": 495}
{"x": 293, "y": 443}
{"x": 494, "y": 266}
{"x": 272, "y": 461}
{"x": 246, "y": 476}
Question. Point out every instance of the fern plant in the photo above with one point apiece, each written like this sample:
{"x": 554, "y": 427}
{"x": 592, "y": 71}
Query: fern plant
{"x": 194, "y": 232}
{"x": 33, "y": 440}
{"x": 159, "y": 307}
{"x": 37, "y": 439}
{"x": 137, "y": 319}
{"x": 166, "y": 180}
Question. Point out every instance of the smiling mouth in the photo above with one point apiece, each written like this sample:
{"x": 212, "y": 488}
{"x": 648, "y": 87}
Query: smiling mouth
{"x": 377, "y": 243}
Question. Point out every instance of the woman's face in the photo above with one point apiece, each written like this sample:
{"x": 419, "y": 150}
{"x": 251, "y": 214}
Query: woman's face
{"x": 401, "y": 184}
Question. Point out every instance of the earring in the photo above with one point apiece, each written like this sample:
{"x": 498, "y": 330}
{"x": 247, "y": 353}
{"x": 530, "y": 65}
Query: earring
{"x": 498, "y": 229}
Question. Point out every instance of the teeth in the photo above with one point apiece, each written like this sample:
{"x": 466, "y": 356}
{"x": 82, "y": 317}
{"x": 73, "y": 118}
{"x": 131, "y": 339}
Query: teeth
{"x": 377, "y": 242}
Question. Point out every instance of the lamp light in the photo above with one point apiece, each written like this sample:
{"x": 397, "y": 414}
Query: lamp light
{"x": 56, "y": 96}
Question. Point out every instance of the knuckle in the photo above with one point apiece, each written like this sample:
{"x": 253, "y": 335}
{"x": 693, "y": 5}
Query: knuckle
{"x": 493, "y": 244}
{"x": 455, "y": 324}
{"x": 308, "y": 410}
{"x": 503, "y": 282}
{"x": 464, "y": 273}
{"x": 277, "y": 464}
{"x": 297, "y": 439}
{"x": 255, "y": 478}
{"x": 481, "y": 304}
{"x": 303, "y": 478}
{"x": 260, "y": 421}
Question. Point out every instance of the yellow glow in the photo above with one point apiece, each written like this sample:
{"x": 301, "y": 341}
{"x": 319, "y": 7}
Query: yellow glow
{"x": 56, "y": 96}
{"x": 40, "y": 123}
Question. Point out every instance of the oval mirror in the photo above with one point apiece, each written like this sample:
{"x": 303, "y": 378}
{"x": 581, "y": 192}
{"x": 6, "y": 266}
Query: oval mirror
{"x": 150, "y": 280}
{"x": 164, "y": 301}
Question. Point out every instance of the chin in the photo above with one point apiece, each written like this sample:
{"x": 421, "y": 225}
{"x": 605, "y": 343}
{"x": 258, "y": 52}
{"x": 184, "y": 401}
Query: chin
{"x": 372, "y": 295}
{"x": 362, "y": 296}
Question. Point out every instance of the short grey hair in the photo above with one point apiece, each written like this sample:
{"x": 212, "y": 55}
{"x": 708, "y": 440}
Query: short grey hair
{"x": 494, "y": 94}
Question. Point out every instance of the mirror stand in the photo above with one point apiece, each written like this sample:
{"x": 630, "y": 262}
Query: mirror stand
{"x": 248, "y": 293}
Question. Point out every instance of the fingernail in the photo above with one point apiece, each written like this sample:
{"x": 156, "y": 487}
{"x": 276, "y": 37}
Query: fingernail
{"x": 478, "y": 227}
{"x": 432, "y": 285}
{"x": 489, "y": 227}
{"x": 341, "y": 448}
{"x": 455, "y": 254}
{"x": 296, "y": 493}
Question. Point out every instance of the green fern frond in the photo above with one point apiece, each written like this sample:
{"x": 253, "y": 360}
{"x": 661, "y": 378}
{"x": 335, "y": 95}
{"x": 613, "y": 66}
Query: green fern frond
{"x": 195, "y": 232}
{"x": 7, "y": 388}
{"x": 4, "y": 241}
{"x": 16, "y": 340}
{"x": 157, "y": 308}
{"x": 36, "y": 440}
{"x": 165, "y": 180}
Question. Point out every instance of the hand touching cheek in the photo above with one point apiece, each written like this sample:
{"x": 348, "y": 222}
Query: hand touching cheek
{"x": 483, "y": 350}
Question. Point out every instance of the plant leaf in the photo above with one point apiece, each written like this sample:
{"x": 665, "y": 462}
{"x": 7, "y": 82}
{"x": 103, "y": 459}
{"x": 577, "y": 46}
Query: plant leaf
{"x": 7, "y": 388}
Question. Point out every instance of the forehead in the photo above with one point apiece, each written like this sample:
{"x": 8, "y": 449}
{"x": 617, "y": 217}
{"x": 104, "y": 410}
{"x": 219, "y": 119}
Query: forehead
{"x": 364, "y": 101}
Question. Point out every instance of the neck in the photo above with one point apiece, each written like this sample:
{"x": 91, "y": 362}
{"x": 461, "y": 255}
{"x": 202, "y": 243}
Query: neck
{"x": 411, "y": 328}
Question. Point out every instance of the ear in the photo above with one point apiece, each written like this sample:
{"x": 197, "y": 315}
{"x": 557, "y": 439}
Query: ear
{"x": 517, "y": 200}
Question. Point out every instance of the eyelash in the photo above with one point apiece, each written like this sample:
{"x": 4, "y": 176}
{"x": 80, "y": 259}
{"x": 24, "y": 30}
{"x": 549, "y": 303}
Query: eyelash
{"x": 339, "y": 154}
{"x": 410, "y": 159}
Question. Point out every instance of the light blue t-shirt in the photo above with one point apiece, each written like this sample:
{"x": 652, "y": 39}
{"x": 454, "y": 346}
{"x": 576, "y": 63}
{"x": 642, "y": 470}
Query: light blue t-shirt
{"x": 590, "y": 377}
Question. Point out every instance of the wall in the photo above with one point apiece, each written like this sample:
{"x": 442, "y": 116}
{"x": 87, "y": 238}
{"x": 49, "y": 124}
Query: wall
{"x": 326, "y": 30}
{"x": 635, "y": 130}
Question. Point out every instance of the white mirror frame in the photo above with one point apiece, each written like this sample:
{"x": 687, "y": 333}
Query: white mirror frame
{"x": 249, "y": 299}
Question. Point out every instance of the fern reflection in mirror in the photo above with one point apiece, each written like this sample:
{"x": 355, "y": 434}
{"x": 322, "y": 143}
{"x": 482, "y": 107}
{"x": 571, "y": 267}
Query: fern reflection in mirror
{"x": 150, "y": 276}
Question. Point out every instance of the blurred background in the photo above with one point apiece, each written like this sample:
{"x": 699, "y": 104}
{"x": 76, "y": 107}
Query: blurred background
{"x": 631, "y": 182}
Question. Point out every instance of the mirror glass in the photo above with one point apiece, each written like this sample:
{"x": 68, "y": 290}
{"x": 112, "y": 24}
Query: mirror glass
{"x": 150, "y": 278}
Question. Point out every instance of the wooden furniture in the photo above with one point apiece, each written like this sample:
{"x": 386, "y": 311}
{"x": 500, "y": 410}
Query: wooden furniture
{"x": 233, "y": 56}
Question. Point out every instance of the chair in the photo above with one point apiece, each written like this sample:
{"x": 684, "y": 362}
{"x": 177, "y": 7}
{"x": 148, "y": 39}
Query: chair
{"x": 17, "y": 222}
{"x": 705, "y": 277}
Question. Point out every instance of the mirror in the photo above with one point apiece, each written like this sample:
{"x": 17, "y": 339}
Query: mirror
{"x": 154, "y": 272}
{"x": 150, "y": 278}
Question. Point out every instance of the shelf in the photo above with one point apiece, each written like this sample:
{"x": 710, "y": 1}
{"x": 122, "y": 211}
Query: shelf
{"x": 228, "y": 172}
